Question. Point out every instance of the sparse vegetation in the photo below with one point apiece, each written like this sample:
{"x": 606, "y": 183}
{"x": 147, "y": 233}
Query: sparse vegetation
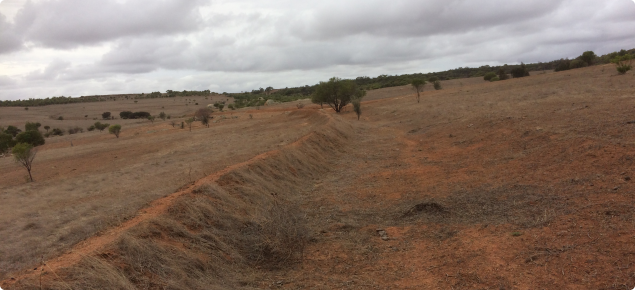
{"x": 437, "y": 85}
{"x": 115, "y": 130}
{"x": 91, "y": 128}
{"x": 151, "y": 118}
{"x": 60, "y": 118}
{"x": 32, "y": 126}
{"x": 299, "y": 105}
{"x": 47, "y": 128}
{"x": 105, "y": 115}
{"x": 502, "y": 75}
{"x": 135, "y": 115}
{"x": 24, "y": 154}
{"x": 6, "y": 142}
{"x": 163, "y": 116}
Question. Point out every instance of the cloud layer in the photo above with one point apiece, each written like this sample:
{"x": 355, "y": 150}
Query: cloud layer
{"x": 75, "y": 47}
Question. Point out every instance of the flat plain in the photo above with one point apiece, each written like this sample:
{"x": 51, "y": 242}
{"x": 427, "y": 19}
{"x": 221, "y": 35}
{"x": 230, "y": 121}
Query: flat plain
{"x": 517, "y": 184}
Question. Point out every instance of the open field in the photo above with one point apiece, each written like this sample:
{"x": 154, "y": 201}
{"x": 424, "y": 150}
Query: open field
{"x": 519, "y": 184}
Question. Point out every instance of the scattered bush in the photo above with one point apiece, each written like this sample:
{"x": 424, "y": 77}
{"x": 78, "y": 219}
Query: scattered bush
{"x": 437, "y": 85}
{"x": 47, "y": 128}
{"x": 115, "y": 129}
{"x": 203, "y": 115}
{"x": 151, "y": 118}
{"x": 57, "y": 132}
{"x": 99, "y": 126}
{"x": 623, "y": 63}
{"x": 563, "y": 64}
{"x": 495, "y": 79}
{"x": 520, "y": 72}
{"x": 33, "y": 138}
{"x": 502, "y": 75}
{"x": 12, "y": 130}
{"x": 105, "y": 115}
{"x": 357, "y": 107}
{"x": 91, "y": 128}
{"x": 231, "y": 107}
{"x": 300, "y": 105}
{"x": 60, "y": 118}
{"x": 26, "y": 108}
{"x": 576, "y": 63}
{"x": 75, "y": 130}
{"x": 163, "y": 116}
{"x": 135, "y": 115}
{"x": 6, "y": 142}
{"x": 433, "y": 79}
{"x": 488, "y": 76}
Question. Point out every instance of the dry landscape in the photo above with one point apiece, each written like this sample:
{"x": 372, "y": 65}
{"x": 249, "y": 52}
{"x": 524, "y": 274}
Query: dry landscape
{"x": 517, "y": 184}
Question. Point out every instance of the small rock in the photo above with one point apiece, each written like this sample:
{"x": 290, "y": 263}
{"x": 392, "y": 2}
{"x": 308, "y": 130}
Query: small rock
{"x": 382, "y": 234}
{"x": 616, "y": 188}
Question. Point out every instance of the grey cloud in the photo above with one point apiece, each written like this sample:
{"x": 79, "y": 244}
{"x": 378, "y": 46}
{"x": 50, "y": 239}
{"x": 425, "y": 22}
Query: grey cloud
{"x": 71, "y": 23}
{"x": 54, "y": 70}
{"x": 9, "y": 40}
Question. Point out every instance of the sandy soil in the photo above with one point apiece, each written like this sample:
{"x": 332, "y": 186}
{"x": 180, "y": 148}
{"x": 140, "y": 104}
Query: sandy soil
{"x": 520, "y": 184}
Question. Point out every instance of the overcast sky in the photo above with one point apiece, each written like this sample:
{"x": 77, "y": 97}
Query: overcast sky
{"x": 79, "y": 47}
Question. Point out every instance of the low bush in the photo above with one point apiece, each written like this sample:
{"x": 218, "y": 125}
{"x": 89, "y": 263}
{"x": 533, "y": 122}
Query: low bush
{"x": 576, "y": 63}
{"x": 495, "y": 79}
{"x": 488, "y": 76}
{"x": 75, "y": 130}
{"x": 437, "y": 85}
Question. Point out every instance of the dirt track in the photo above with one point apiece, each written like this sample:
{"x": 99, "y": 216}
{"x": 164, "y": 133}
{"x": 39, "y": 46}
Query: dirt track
{"x": 522, "y": 184}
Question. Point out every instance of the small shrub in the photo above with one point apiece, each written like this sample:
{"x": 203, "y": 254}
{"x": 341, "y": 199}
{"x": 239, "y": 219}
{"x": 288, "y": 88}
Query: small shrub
{"x": 488, "y": 76}
{"x": 623, "y": 63}
{"x": 251, "y": 116}
{"x": 502, "y": 75}
{"x": 57, "y": 132}
{"x": 91, "y": 128}
{"x": 300, "y": 105}
{"x": 60, "y": 118}
{"x": 437, "y": 85}
{"x": 495, "y": 79}
{"x": 75, "y": 130}
{"x": 6, "y": 142}
{"x": 520, "y": 72}
{"x": 26, "y": 108}
{"x": 105, "y": 115}
{"x": 163, "y": 116}
{"x": 433, "y": 79}
{"x": 12, "y": 130}
{"x": 563, "y": 64}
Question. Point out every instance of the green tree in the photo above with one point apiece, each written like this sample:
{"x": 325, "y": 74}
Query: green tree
{"x": 24, "y": 154}
{"x": 588, "y": 57}
{"x": 6, "y": 142}
{"x": 33, "y": 138}
{"x": 47, "y": 128}
{"x": 357, "y": 107}
{"x": 437, "y": 85}
{"x": 32, "y": 126}
{"x": 151, "y": 118}
{"x": 163, "y": 116}
{"x": 12, "y": 130}
{"x": 417, "y": 86}
{"x": 337, "y": 93}
{"x": 115, "y": 129}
